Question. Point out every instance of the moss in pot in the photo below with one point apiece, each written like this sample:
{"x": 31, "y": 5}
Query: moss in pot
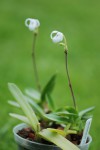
{"x": 58, "y": 129}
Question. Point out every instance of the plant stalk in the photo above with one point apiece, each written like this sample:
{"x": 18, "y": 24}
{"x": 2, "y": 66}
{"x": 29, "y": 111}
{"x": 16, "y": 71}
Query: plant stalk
{"x": 69, "y": 81}
{"x": 34, "y": 63}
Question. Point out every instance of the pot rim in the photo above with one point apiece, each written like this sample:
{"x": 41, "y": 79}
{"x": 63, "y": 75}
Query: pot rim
{"x": 22, "y": 125}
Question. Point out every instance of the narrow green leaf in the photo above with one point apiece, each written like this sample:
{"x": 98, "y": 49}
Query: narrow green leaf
{"x": 68, "y": 109}
{"x": 64, "y": 113}
{"x": 86, "y": 117}
{"x": 57, "y": 139}
{"x": 61, "y": 132}
{"x": 35, "y": 95}
{"x": 71, "y": 110}
{"x": 48, "y": 88}
{"x": 28, "y": 111}
{"x": 67, "y": 127}
{"x": 50, "y": 102}
{"x": 13, "y": 103}
{"x": 71, "y": 132}
{"x": 85, "y": 111}
{"x": 36, "y": 107}
{"x": 20, "y": 117}
{"x": 56, "y": 118}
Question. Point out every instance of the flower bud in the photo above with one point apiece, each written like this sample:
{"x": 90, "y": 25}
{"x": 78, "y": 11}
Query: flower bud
{"x": 56, "y": 36}
{"x": 32, "y": 24}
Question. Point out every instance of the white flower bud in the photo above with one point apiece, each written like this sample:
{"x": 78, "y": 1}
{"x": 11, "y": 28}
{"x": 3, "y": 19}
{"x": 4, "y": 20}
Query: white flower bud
{"x": 56, "y": 36}
{"x": 32, "y": 24}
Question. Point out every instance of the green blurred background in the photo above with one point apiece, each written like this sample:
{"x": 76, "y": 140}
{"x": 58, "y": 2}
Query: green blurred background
{"x": 79, "y": 20}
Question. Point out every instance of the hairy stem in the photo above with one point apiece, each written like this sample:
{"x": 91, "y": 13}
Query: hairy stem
{"x": 69, "y": 81}
{"x": 34, "y": 63}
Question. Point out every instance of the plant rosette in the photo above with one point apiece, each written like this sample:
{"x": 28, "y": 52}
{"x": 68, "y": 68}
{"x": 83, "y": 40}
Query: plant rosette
{"x": 31, "y": 145}
{"x": 45, "y": 126}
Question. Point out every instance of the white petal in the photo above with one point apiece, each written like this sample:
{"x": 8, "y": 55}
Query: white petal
{"x": 37, "y": 22}
{"x": 56, "y": 36}
{"x": 26, "y": 22}
{"x": 32, "y": 24}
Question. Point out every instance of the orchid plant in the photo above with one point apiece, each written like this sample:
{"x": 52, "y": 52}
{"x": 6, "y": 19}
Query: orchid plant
{"x": 34, "y": 102}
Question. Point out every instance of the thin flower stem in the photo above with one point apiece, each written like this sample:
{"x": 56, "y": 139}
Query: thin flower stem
{"x": 34, "y": 63}
{"x": 69, "y": 81}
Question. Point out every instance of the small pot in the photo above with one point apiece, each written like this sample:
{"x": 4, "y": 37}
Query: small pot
{"x": 24, "y": 144}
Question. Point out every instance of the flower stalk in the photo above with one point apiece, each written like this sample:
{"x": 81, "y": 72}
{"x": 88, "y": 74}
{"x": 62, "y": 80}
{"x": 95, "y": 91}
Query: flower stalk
{"x": 68, "y": 76}
{"x": 69, "y": 81}
{"x": 33, "y": 25}
{"x": 34, "y": 62}
{"x": 58, "y": 37}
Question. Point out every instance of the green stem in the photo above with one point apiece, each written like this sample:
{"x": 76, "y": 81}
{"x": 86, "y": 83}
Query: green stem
{"x": 69, "y": 81}
{"x": 34, "y": 63}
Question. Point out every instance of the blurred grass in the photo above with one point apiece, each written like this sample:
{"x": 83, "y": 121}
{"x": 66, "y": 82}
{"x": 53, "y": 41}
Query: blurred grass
{"x": 80, "y": 22}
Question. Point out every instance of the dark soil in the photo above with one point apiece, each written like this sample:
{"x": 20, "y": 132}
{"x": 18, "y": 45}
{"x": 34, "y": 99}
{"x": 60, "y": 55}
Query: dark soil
{"x": 28, "y": 133}
{"x": 75, "y": 138}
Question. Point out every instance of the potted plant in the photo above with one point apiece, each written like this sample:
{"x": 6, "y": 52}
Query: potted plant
{"x": 46, "y": 127}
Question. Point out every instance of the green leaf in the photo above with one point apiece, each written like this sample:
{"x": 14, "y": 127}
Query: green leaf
{"x": 56, "y": 118}
{"x": 85, "y": 111}
{"x": 71, "y": 110}
{"x": 61, "y": 132}
{"x": 20, "y": 117}
{"x": 67, "y": 127}
{"x": 65, "y": 113}
{"x": 86, "y": 117}
{"x": 28, "y": 111}
{"x": 71, "y": 132}
{"x": 57, "y": 139}
{"x": 13, "y": 103}
{"x": 36, "y": 107}
{"x": 68, "y": 109}
{"x": 48, "y": 88}
{"x": 50, "y": 102}
{"x": 35, "y": 95}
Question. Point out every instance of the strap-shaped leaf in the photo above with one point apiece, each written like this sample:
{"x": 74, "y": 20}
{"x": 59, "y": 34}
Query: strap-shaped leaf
{"x": 71, "y": 110}
{"x": 28, "y": 111}
{"x": 50, "y": 102}
{"x": 13, "y": 103}
{"x": 48, "y": 88}
{"x": 57, "y": 139}
{"x": 33, "y": 94}
{"x": 67, "y": 127}
{"x": 65, "y": 113}
{"x": 36, "y": 107}
{"x": 68, "y": 109}
{"x": 61, "y": 132}
{"x": 56, "y": 118}
{"x": 86, "y": 117}
{"x": 20, "y": 117}
{"x": 85, "y": 111}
